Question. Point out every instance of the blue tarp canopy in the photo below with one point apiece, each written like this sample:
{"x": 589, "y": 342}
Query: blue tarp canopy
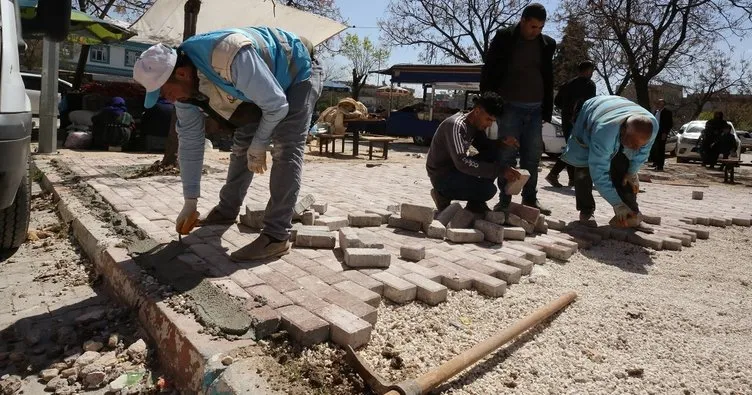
{"x": 333, "y": 86}
{"x": 431, "y": 73}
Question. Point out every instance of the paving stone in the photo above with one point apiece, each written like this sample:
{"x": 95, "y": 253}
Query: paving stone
{"x": 384, "y": 214}
{"x": 645, "y": 240}
{"x": 515, "y": 220}
{"x": 436, "y": 230}
{"x": 464, "y": 235}
{"x": 514, "y": 233}
{"x": 669, "y": 243}
{"x": 325, "y": 274}
{"x": 477, "y": 265}
{"x": 396, "y": 289}
{"x": 308, "y": 218}
{"x": 496, "y": 217}
{"x": 393, "y": 208}
{"x": 556, "y": 224}
{"x": 244, "y": 278}
{"x": 650, "y": 219}
{"x": 351, "y": 238}
{"x": 254, "y": 216}
{"x": 304, "y": 204}
{"x": 482, "y": 282}
{"x": 452, "y": 278}
{"x": 278, "y": 281}
{"x": 561, "y": 239}
{"x": 702, "y": 234}
{"x": 303, "y": 326}
{"x": 306, "y": 299}
{"x": 541, "y": 226}
{"x": 269, "y": 296}
{"x": 510, "y": 274}
{"x": 413, "y": 253}
{"x": 341, "y": 299}
{"x": 314, "y": 239}
{"x": 515, "y": 187}
{"x": 320, "y": 208}
{"x": 417, "y": 213}
{"x": 427, "y": 291}
{"x": 265, "y": 321}
{"x": 534, "y": 255}
{"x": 345, "y": 329}
{"x": 397, "y": 270}
{"x": 697, "y": 195}
{"x": 416, "y": 268}
{"x": 367, "y": 257}
{"x": 396, "y": 221}
{"x": 362, "y": 220}
{"x": 290, "y": 271}
{"x": 362, "y": 293}
{"x": 333, "y": 223}
{"x": 231, "y": 288}
{"x": 720, "y": 222}
{"x": 491, "y": 231}
{"x": 529, "y": 214}
{"x": 686, "y": 240}
{"x": 364, "y": 280}
{"x": 741, "y": 221}
{"x": 448, "y": 213}
{"x": 552, "y": 249}
{"x": 462, "y": 219}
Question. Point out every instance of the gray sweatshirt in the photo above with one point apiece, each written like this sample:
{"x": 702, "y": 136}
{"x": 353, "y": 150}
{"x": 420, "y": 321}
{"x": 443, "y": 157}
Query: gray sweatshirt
{"x": 449, "y": 147}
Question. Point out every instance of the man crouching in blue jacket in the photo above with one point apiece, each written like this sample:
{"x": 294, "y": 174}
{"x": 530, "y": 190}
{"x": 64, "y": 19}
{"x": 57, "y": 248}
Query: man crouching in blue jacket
{"x": 610, "y": 141}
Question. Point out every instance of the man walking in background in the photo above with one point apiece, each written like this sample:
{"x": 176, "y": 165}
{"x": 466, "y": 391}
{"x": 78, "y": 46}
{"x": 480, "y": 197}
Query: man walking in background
{"x": 519, "y": 68}
{"x": 569, "y": 99}
{"x": 665, "y": 123}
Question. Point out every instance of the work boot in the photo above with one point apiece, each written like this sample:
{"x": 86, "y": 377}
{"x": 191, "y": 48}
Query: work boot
{"x": 440, "y": 201}
{"x": 586, "y": 216}
{"x": 215, "y": 218}
{"x": 477, "y": 207}
{"x": 263, "y": 247}
{"x": 554, "y": 181}
{"x": 537, "y": 204}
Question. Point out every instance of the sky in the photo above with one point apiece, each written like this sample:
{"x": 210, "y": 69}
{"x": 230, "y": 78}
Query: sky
{"x": 364, "y": 15}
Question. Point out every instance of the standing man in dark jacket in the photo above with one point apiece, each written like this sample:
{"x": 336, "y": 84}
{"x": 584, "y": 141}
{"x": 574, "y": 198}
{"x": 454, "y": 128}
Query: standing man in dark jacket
{"x": 665, "y": 122}
{"x": 569, "y": 99}
{"x": 518, "y": 66}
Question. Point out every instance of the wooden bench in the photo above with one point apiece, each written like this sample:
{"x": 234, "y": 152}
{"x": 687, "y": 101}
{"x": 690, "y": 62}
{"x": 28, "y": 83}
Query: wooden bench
{"x": 326, "y": 138}
{"x": 728, "y": 169}
{"x": 384, "y": 140}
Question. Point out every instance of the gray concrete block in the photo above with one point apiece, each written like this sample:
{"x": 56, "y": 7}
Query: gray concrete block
{"x": 514, "y": 188}
{"x": 741, "y": 221}
{"x": 427, "y": 291}
{"x": 406, "y": 224}
{"x": 253, "y": 217}
{"x": 384, "y": 214}
{"x": 420, "y": 269}
{"x": 462, "y": 219}
{"x": 720, "y": 222}
{"x": 529, "y": 214}
{"x": 697, "y": 195}
{"x": 413, "y": 253}
{"x": 308, "y": 218}
{"x": 297, "y": 227}
{"x": 364, "y": 280}
{"x": 304, "y": 204}
{"x": 333, "y": 223}
{"x": 508, "y": 273}
{"x": 553, "y": 250}
{"x": 314, "y": 239}
{"x": 417, "y": 213}
{"x": 532, "y": 254}
{"x": 651, "y": 219}
{"x": 464, "y": 235}
{"x": 515, "y": 220}
{"x": 367, "y": 257}
{"x": 345, "y": 328}
{"x": 393, "y": 208}
{"x": 556, "y": 224}
{"x": 436, "y": 230}
{"x": 303, "y": 326}
{"x": 491, "y": 231}
{"x": 496, "y": 217}
{"x": 320, "y": 208}
{"x": 348, "y": 238}
{"x": 448, "y": 213}
{"x": 453, "y": 278}
{"x": 396, "y": 289}
{"x": 360, "y": 292}
{"x": 361, "y": 220}
{"x": 514, "y": 233}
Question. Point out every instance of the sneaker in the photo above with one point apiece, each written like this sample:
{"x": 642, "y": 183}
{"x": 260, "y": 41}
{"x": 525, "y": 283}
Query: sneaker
{"x": 554, "y": 181}
{"x": 440, "y": 201}
{"x": 215, "y": 218}
{"x": 537, "y": 204}
{"x": 477, "y": 207}
{"x": 263, "y": 247}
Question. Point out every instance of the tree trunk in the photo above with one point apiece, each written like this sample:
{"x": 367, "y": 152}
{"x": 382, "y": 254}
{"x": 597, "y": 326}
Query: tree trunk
{"x": 356, "y": 85}
{"x": 191, "y": 9}
{"x": 641, "y": 91}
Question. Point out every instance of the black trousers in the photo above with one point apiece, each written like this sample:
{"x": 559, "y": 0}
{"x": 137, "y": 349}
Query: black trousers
{"x": 658, "y": 152}
{"x": 583, "y": 185}
{"x": 560, "y": 165}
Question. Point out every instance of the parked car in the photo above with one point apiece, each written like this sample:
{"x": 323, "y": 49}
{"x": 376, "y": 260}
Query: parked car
{"x": 687, "y": 143}
{"x": 33, "y": 84}
{"x": 746, "y": 138}
{"x": 671, "y": 142}
{"x": 553, "y": 137}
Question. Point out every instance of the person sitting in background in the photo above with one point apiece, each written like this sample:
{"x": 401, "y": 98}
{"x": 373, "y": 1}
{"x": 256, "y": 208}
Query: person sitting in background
{"x": 454, "y": 174}
{"x": 713, "y": 131}
{"x": 155, "y": 124}
{"x": 112, "y": 126}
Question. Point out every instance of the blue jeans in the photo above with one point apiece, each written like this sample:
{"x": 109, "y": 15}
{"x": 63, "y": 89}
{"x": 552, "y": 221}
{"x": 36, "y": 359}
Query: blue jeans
{"x": 524, "y": 122}
{"x": 460, "y": 186}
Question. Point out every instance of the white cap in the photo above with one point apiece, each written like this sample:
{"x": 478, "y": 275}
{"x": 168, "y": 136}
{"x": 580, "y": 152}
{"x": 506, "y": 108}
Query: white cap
{"x": 152, "y": 69}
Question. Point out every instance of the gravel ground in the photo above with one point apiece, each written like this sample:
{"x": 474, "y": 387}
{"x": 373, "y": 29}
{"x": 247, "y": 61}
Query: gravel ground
{"x": 645, "y": 322}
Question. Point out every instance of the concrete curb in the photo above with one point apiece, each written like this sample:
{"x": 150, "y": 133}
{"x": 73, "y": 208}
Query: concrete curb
{"x": 191, "y": 359}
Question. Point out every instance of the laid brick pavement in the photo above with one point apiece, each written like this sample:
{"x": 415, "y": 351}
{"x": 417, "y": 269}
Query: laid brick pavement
{"x": 317, "y": 297}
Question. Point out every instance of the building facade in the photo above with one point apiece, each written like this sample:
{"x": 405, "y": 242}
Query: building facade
{"x": 112, "y": 60}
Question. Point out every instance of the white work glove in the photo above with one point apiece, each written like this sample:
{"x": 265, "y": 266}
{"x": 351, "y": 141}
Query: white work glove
{"x": 622, "y": 212}
{"x": 633, "y": 181}
{"x": 257, "y": 160}
{"x": 188, "y": 217}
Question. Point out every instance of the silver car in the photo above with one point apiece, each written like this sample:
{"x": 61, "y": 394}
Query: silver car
{"x": 687, "y": 143}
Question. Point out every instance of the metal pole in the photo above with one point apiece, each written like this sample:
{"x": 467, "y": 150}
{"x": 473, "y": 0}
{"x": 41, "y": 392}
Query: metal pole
{"x": 430, "y": 110}
{"x": 48, "y": 98}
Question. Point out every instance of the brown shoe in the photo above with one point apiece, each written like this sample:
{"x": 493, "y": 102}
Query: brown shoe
{"x": 261, "y": 248}
{"x": 215, "y": 218}
{"x": 440, "y": 201}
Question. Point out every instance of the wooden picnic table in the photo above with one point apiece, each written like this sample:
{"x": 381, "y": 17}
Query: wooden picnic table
{"x": 384, "y": 140}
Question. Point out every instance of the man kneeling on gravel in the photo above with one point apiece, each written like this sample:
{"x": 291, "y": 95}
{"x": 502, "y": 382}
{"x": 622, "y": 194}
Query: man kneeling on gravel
{"x": 611, "y": 140}
{"x": 454, "y": 174}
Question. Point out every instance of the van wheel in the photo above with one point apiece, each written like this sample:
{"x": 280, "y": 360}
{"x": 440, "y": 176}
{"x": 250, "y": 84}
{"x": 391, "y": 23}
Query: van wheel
{"x": 14, "y": 220}
{"x": 681, "y": 160}
{"x": 420, "y": 140}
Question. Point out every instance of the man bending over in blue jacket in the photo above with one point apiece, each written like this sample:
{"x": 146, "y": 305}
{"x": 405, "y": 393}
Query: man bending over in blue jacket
{"x": 611, "y": 140}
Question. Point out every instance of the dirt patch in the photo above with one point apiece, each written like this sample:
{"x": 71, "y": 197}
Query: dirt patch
{"x": 153, "y": 170}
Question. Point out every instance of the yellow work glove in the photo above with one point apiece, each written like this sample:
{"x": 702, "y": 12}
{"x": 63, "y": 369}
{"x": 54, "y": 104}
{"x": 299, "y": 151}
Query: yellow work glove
{"x": 188, "y": 217}
{"x": 257, "y": 160}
